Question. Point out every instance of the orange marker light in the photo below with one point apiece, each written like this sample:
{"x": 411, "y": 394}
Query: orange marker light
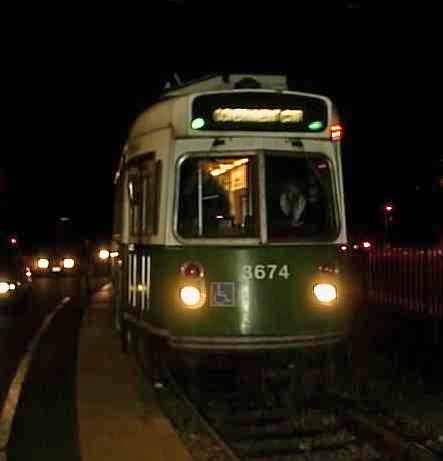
{"x": 336, "y": 132}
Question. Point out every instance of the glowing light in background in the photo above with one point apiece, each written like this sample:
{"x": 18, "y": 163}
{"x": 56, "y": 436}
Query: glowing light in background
{"x": 68, "y": 263}
{"x": 43, "y": 263}
{"x": 103, "y": 254}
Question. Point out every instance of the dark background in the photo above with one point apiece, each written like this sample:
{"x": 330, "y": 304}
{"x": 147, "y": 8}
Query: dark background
{"x": 67, "y": 110}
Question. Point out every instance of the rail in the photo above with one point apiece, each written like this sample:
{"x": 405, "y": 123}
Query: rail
{"x": 409, "y": 279}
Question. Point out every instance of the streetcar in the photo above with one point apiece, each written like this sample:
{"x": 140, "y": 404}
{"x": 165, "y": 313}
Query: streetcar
{"x": 230, "y": 225}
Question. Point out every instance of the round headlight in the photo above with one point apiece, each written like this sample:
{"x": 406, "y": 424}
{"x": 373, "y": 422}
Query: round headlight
{"x": 68, "y": 263}
{"x": 43, "y": 263}
{"x": 103, "y": 254}
{"x": 4, "y": 288}
{"x": 12, "y": 286}
{"x": 190, "y": 296}
{"x": 325, "y": 292}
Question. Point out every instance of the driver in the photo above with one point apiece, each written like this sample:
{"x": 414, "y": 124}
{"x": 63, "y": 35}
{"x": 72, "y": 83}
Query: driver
{"x": 293, "y": 203}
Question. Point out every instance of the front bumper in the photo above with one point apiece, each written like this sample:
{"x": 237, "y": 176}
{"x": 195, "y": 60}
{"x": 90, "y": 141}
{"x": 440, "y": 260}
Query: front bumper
{"x": 240, "y": 343}
{"x": 254, "y": 343}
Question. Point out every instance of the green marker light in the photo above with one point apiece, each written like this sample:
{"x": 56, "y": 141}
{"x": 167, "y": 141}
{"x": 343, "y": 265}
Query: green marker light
{"x": 317, "y": 125}
{"x": 197, "y": 123}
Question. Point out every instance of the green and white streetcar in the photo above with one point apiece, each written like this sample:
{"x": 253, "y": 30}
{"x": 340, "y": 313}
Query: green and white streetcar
{"x": 230, "y": 220}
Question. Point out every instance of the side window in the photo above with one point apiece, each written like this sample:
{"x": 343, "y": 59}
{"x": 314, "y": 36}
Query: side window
{"x": 134, "y": 194}
{"x": 150, "y": 199}
{"x": 118, "y": 207}
{"x": 144, "y": 177}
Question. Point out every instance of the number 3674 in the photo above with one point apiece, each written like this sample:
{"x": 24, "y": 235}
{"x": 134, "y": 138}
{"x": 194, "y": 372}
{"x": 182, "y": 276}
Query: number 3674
{"x": 265, "y": 271}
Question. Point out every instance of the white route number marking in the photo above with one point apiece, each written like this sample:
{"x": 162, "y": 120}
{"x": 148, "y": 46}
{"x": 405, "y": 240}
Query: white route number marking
{"x": 262, "y": 271}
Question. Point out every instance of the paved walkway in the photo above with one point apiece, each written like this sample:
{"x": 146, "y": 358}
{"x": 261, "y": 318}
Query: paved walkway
{"x": 114, "y": 422}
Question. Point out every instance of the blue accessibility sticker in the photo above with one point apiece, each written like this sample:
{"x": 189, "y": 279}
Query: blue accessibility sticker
{"x": 222, "y": 294}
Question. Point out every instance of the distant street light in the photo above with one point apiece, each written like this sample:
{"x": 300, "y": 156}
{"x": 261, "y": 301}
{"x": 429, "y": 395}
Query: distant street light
{"x": 103, "y": 254}
{"x": 388, "y": 209}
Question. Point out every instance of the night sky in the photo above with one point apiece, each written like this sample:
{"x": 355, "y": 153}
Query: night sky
{"x": 66, "y": 117}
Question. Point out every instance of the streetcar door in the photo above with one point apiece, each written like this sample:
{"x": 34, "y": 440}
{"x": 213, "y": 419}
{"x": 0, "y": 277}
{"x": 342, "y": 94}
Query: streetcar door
{"x": 149, "y": 214}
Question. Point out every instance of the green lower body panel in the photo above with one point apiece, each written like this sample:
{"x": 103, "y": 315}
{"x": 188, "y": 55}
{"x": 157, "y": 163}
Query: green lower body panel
{"x": 251, "y": 298}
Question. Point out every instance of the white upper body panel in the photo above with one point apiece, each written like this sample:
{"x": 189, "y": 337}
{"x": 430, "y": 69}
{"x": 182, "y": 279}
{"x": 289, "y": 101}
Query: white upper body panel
{"x": 165, "y": 130}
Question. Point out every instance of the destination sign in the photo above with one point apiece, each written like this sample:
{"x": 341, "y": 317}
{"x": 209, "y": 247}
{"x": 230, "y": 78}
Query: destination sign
{"x": 258, "y": 111}
{"x": 258, "y": 115}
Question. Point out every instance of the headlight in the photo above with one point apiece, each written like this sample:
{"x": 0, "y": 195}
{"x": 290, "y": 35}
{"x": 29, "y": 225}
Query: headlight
{"x": 325, "y": 292}
{"x": 43, "y": 263}
{"x": 4, "y": 288}
{"x": 190, "y": 297}
{"x": 68, "y": 263}
{"x": 103, "y": 254}
{"x": 12, "y": 286}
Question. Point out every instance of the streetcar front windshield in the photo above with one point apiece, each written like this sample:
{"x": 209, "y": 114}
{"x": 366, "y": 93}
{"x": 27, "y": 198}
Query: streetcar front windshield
{"x": 299, "y": 198}
{"x": 218, "y": 198}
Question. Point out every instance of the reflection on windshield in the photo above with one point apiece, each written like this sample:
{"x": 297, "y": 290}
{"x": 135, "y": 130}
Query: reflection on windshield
{"x": 299, "y": 198}
{"x": 217, "y": 198}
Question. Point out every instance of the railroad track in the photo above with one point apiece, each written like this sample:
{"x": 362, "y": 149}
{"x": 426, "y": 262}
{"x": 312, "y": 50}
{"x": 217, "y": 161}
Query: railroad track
{"x": 405, "y": 435}
{"x": 266, "y": 425}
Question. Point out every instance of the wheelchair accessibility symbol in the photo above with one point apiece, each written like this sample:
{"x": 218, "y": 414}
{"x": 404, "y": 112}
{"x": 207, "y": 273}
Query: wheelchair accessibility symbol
{"x": 223, "y": 294}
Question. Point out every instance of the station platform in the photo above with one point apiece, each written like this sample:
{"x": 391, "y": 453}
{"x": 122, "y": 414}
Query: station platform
{"x": 115, "y": 423}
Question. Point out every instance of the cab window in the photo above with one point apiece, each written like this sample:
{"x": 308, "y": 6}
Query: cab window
{"x": 218, "y": 198}
{"x": 300, "y": 200}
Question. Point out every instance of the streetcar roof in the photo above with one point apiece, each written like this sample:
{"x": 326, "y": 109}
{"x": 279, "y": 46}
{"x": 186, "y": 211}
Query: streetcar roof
{"x": 172, "y": 110}
{"x": 229, "y": 82}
